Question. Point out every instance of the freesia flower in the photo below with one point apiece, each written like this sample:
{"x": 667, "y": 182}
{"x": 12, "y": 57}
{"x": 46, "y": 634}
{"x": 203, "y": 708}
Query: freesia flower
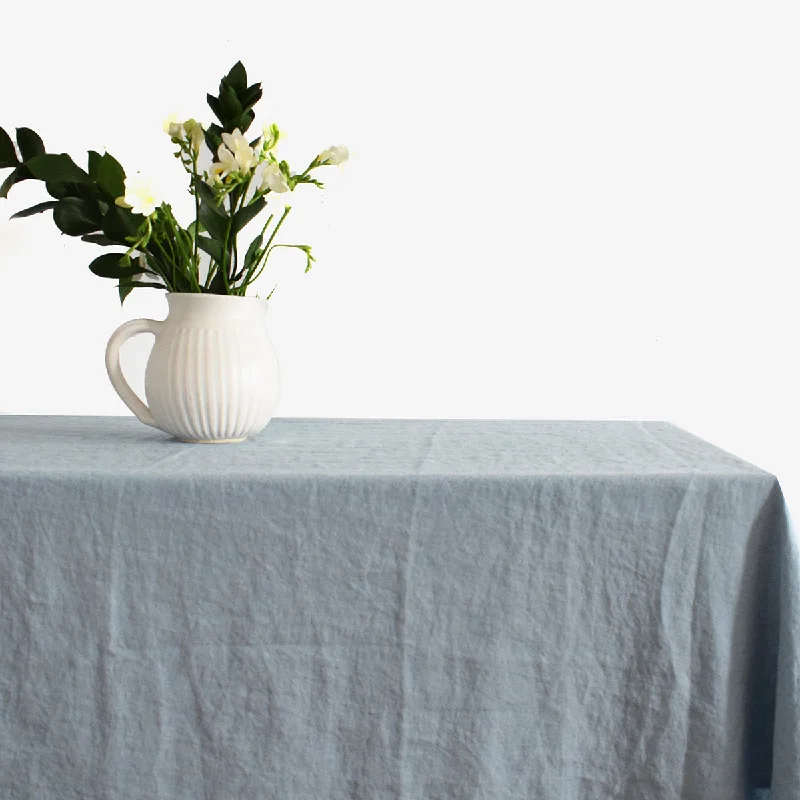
{"x": 195, "y": 133}
{"x": 215, "y": 172}
{"x": 173, "y": 126}
{"x": 139, "y": 195}
{"x": 168, "y": 121}
{"x": 242, "y": 152}
{"x": 337, "y": 154}
{"x": 226, "y": 160}
{"x": 273, "y": 179}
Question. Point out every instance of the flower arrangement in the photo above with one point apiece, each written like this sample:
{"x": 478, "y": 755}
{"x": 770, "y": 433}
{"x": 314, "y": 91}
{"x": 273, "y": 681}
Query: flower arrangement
{"x": 104, "y": 206}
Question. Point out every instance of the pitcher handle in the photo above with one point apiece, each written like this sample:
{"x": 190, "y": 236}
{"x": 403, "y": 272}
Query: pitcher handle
{"x": 122, "y": 387}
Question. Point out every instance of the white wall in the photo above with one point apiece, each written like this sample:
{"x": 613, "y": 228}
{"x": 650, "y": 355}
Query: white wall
{"x": 552, "y": 210}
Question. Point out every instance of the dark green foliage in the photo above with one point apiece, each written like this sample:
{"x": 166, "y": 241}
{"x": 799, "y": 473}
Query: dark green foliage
{"x": 76, "y": 217}
{"x": 59, "y": 190}
{"x": 120, "y": 223}
{"x": 244, "y": 215}
{"x": 216, "y": 225}
{"x": 252, "y": 252}
{"x": 126, "y": 286}
{"x": 21, "y": 173}
{"x": 84, "y": 205}
{"x": 57, "y": 168}
{"x": 207, "y": 196}
{"x": 210, "y": 246}
{"x": 233, "y": 106}
{"x": 37, "y": 209}
{"x": 8, "y": 153}
{"x": 109, "y": 266}
{"x": 98, "y": 238}
{"x": 217, "y": 285}
{"x": 111, "y": 176}
{"x": 30, "y": 144}
{"x": 94, "y": 164}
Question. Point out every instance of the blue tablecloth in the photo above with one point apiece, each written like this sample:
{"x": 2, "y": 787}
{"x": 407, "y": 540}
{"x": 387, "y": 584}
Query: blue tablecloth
{"x": 393, "y": 610}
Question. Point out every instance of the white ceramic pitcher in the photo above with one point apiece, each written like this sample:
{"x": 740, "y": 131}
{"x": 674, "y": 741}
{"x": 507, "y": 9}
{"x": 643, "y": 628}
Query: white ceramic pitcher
{"x": 213, "y": 374}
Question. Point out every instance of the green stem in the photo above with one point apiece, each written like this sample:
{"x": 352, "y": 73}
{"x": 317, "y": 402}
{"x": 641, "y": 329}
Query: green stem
{"x": 235, "y": 261}
{"x": 195, "y": 263}
{"x": 265, "y": 250}
{"x": 172, "y": 232}
{"x": 286, "y": 211}
{"x": 230, "y": 246}
{"x": 225, "y": 257}
{"x": 212, "y": 270}
{"x": 243, "y": 286}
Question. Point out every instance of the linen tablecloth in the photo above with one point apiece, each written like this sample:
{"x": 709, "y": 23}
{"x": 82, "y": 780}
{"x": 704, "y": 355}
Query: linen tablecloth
{"x": 351, "y": 609}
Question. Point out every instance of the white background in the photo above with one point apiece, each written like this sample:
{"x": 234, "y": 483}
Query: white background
{"x": 552, "y": 210}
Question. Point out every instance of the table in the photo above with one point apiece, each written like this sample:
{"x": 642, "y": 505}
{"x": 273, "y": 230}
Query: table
{"x": 393, "y": 609}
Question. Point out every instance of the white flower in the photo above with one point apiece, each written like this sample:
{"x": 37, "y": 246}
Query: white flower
{"x": 139, "y": 196}
{"x": 226, "y": 160}
{"x": 168, "y": 121}
{"x": 337, "y": 154}
{"x": 242, "y": 152}
{"x": 194, "y": 130}
{"x": 173, "y": 126}
{"x": 273, "y": 179}
{"x": 215, "y": 172}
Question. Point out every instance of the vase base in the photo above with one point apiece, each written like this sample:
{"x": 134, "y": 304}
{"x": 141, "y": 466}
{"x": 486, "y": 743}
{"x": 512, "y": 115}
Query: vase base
{"x": 214, "y": 441}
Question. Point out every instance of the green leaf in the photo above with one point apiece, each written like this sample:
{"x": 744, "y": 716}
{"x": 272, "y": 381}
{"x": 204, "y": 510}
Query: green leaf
{"x": 30, "y": 144}
{"x": 111, "y": 176}
{"x": 252, "y": 252}
{"x": 211, "y": 246}
{"x": 127, "y": 286}
{"x": 94, "y": 163}
{"x": 215, "y": 106}
{"x": 213, "y": 138}
{"x": 59, "y": 190}
{"x": 231, "y": 107}
{"x": 217, "y": 226}
{"x": 21, "y": 173}
{"x": 245, "y": 121}
{"x": 120, "y": 223}
{"x": 236, "y": 78}
{"x": 108, "y": 266}
{"x": 98, "y": 238}
{"x": 57, "y": 167}
{"x": 207, "y": 196}
{"x": 8, "y": 153}
{"x": 37, "y": 209}
{"x": 124, "y": 290}
{"x": 235, "y": 195}
{"x": 217, "y": 285}
{"x": 251, "y": 96}
{"x": 246, "y": 214}
{"x": 76, "y": 217}
{"x": 194, "y": 228}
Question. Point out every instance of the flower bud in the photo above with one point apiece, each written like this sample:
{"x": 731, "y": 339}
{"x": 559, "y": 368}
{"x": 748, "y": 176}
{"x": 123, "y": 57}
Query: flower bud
{"x": 195, "y": 133}
{"x": 337, "y": 154}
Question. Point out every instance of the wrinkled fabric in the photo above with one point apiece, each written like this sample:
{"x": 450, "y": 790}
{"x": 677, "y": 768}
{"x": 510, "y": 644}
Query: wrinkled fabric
{"x": 352, "y": 609}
